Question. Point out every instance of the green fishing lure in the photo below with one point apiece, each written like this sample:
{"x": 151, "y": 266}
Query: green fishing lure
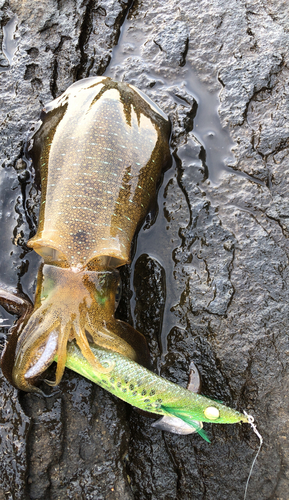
{"x": 144, "y": 389}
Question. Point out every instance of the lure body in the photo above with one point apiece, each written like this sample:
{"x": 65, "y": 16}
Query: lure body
{"x": 140, "y": 387}
{"x": 99, "y": 151}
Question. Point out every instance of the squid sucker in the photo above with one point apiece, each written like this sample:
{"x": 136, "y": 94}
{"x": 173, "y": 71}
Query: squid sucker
{"x": 99, "y": 151}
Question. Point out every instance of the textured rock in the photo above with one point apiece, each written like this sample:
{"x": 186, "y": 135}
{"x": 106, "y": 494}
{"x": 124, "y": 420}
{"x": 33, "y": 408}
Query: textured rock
{"x": 13, "y": 432}
{"x": 208, "y": 279}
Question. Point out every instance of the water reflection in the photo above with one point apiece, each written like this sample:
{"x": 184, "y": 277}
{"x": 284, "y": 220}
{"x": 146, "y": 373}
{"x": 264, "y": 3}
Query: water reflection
{"x": 10, "y": 42}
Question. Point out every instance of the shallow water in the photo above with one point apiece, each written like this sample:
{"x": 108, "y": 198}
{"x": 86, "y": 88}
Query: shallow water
{"x": 160, "y": 240}
{"x": 10, "y": 42}
{"x": 8, "y": 226}
{"x": 207, "y": 126}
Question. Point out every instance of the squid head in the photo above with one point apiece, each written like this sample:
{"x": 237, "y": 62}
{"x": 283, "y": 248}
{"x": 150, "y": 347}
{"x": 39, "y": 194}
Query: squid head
{"x": 72, "y": 304}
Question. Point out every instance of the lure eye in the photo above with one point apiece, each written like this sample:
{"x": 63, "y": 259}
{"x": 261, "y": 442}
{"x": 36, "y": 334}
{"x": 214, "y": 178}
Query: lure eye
{"x": 211, "y": 413}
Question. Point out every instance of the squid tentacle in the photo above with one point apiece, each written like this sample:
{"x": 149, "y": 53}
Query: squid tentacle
{"x": 61, "y": 353}
{"x": 86, "y": 351}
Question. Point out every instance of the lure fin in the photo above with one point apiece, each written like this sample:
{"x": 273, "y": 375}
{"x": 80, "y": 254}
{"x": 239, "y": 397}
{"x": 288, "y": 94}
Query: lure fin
{"x": 181, "y": 414}
{"x": 175, "y": 425}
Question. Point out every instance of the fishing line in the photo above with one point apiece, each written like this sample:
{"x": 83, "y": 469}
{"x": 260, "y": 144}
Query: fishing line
{"x": 255, "y": 430}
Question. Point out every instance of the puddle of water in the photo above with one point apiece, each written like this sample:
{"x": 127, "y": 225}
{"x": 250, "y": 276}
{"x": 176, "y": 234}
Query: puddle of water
{"x": 13, "y": 261}
{"x": 8, "y": 221}
{"x": 156, "y": 241}
{"x": 10, "y": 42}
{"x": 207, "y": 126}
{"x": 207, "y": 129}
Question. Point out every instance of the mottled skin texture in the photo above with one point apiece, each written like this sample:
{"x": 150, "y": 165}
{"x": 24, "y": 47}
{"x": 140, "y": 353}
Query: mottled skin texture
{"x": 100, "y": 150}
{"x": 99, "y": 169}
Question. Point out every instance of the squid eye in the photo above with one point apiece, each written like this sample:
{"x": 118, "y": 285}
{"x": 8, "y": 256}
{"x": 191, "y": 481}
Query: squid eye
{"x": 211, "y": 413}
{"x": 118, "y": 295}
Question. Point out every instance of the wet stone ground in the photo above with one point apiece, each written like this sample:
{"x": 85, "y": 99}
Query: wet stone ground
{"x": 209, "y": 275}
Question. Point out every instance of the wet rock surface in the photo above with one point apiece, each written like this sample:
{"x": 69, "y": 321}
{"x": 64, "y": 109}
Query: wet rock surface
{"x": 209, "y": 276}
